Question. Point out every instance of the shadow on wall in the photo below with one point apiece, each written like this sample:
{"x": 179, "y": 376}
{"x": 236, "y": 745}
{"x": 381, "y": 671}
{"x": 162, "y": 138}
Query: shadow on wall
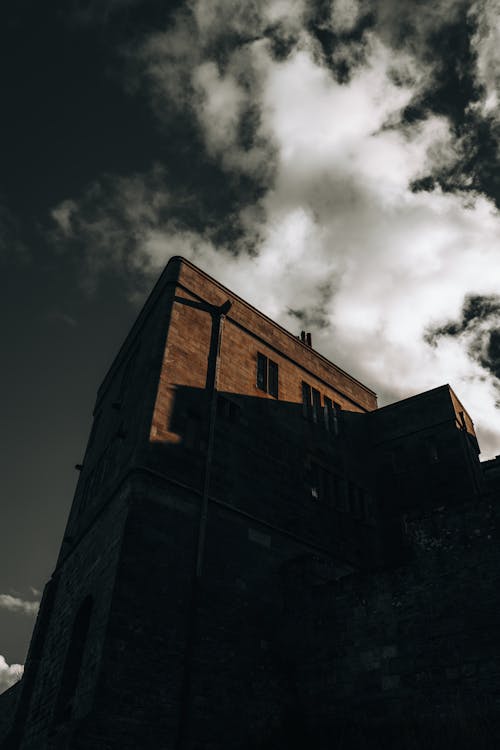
{"x": 305, "y": 470}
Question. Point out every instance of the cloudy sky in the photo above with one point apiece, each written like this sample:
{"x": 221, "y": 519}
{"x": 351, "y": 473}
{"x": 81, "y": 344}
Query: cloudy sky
{"x": 334, "y": 162}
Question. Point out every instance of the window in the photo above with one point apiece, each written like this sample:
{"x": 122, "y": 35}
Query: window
{"x": 273, "y": 379}
{"x": 262, "y": 372}
{"x": 335, "y": 417}
{"x": 306, "y": 399}
{"x": 267, "y": 375}
{"x": 315, "y": 479}
{"x": 321, "y": 482}
{"x": 433, "y": 452}
{"x": 328, "y": 413}
{"x": 316, "y": 404}
{"x": 228, "y": 409}
{"x": 73, "y": 663}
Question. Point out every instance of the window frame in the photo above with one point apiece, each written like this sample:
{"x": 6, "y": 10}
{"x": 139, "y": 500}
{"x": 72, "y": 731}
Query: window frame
{"x": 267, "y": 376}
{"x": 272, "y": 378}
{"x": 261, "y": 381}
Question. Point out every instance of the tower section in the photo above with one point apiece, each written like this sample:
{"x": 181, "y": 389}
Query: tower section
{"x": 223, "y": 451}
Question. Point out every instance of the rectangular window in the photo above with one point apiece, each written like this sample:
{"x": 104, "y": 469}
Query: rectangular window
{"x": 306, "y": 399}
{"x": 262, "y": 372}
{"x": 315, "y": 482}
{"x": 267, "y": 375}
{"x": 323, "y": 484}
{"x": 433, "y": 452}
{"x": 316, "y": 404}
{"x": 327, "y": 413}
{"x": 273, "y": 378}
{"x": 228, "y": 409}
{"x": 335, "y": 418}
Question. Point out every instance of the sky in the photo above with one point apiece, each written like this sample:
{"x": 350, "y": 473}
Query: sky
{"x": 336, "y": 163}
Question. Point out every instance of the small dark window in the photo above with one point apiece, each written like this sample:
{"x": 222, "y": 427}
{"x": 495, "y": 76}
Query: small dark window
{"x": 262, "y": 372}
{"x": 73, "y": 663}
{"x": 324, "y": 485}
{"x": 267, "y": 375}
{"x": 433, "y": 452}
{"x": 228, "y": 409}
{"x": 316, "y": 479}
{"x": 316, "y": 404}
{"x": 306, "y": 399}
{"x": 273, "y": 378}
{"x": 335, "y": 418}
{"x": 327, "y": 413}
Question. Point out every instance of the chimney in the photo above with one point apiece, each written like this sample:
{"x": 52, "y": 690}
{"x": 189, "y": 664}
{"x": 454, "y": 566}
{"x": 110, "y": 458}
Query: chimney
{"x": 306, "y": 339}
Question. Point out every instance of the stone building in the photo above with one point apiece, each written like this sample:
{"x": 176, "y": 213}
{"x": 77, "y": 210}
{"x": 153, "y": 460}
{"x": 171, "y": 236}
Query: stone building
{"x": 259, "y": 557}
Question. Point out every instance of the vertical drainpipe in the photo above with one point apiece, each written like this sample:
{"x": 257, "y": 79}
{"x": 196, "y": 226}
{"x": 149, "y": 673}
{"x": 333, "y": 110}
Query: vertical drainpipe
{"x": 218, "y": 314}
{"x": 212, "y": 383}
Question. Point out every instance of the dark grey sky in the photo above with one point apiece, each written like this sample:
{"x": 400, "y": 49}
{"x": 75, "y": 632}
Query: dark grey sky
{"x": 336, "y": 163}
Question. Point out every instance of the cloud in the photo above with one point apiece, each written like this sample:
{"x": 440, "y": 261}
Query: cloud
{"x": 337, "y": 237}
{"x": 115, "y": 223}
{"x": 486, "y": 44}
{"x": 9, "y": 674}
{"x": 344, "y": 15}
{"x": 478, "y": 330}
{"x": 15, "y": 604}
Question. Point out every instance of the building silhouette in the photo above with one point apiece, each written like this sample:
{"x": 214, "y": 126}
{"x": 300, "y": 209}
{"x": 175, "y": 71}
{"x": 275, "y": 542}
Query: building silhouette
{"x": 259, "y": 557}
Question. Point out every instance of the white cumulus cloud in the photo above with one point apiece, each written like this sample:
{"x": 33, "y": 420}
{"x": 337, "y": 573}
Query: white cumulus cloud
{"x": 15, "y": 604}
{"x": 9, "y": 674}
{"x": 486, "y": 44}
{"x": 337, "y": 240}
